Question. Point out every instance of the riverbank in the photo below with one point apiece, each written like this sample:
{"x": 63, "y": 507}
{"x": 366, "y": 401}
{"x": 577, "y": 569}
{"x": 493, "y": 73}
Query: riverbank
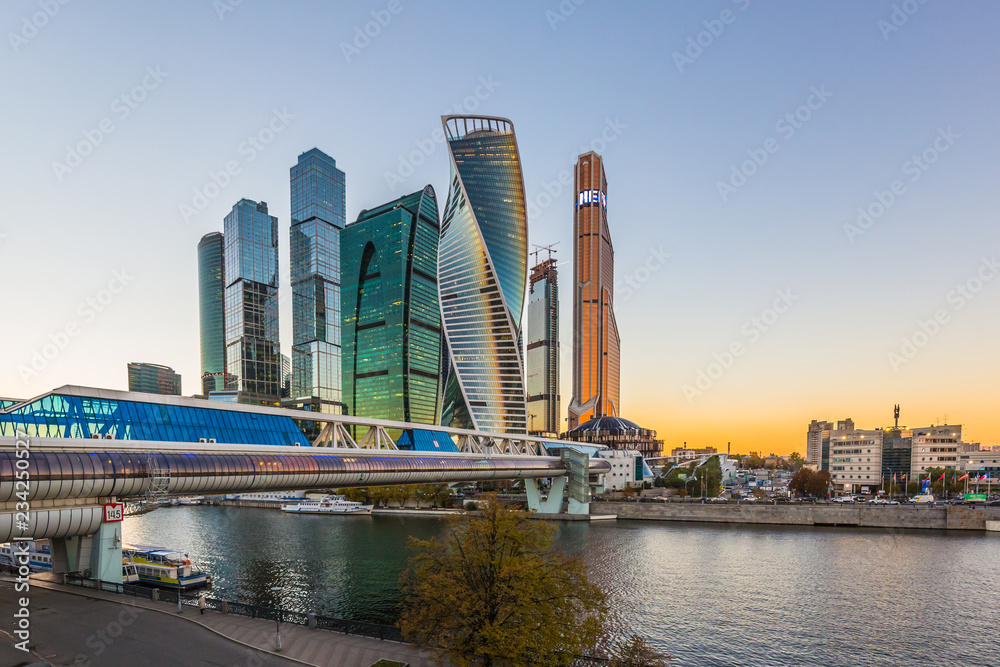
{"x": 956, "y": 517}
{"x": 230, "y": 639}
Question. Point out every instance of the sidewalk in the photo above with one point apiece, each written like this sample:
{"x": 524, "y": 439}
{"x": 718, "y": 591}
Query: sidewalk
{"x": 299, "y": 643}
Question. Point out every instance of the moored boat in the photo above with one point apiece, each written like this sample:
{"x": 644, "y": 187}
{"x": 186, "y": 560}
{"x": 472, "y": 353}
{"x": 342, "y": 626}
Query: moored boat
{"x": 328, "y": 505}
{"x": 164, "y": 567}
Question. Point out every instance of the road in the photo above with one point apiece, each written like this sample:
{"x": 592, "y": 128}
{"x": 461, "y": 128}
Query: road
{"x": 82, "y": 632}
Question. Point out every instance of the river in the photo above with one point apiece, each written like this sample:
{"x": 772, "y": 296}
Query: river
{"x": 708, "y": 594}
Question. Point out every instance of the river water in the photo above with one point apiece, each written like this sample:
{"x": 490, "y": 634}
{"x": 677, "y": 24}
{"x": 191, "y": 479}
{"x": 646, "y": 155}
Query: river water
{"x": 707, "y": 594}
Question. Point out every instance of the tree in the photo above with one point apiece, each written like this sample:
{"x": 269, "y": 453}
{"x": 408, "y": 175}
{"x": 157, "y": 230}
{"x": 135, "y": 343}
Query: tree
{"x": 818, "y": 485}
{"x": 493, "y": 591}
{"x": 636, "y": 652}
{"x": 800, "y": 480}
{"x": 711, "y": 474}
{"x": 754, "y": 461}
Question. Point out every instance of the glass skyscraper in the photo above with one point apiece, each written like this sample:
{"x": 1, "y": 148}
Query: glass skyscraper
{"x": 211, "y": 311}
{"x": 596, "y": 346}
{"x": 253, "y": 355}
{"x": 318, "y": 215}
{"x": 153, "y": 379}
{"x": 482, "y": 273}
{"x": 391, "y": 338}
{"x": 542, "y": 352}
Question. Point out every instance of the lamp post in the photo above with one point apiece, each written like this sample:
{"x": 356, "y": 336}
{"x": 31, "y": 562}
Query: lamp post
{"x": 277, "y": 621}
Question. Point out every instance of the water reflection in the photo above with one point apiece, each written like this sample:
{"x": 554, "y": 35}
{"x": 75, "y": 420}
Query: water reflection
{"x": 708, "y": 594}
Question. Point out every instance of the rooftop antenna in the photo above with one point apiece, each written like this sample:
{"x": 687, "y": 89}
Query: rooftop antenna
{"x": 895, "y": 413}
{"x": 539, "y": 248}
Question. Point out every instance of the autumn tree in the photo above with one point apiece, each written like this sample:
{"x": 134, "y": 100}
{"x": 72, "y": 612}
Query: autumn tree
{"x": 636, "y": 652}
{"x": 493, "y": 591}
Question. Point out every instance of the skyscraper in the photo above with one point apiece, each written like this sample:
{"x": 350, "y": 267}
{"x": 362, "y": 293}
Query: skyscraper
{"x": 596, "y": 346}
{"x": 391, "y": 335}
{"x": 253, "y": 355}
{"x": 211, "y": 300}
{"x": 318, "y": 215}
{"x": 153, "y": 379}
{"x": 542, "y": 353}
{"x": 482, "y": 272}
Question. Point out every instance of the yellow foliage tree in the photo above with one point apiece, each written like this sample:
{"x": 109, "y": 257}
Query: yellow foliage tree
{"x": 493, "y": 591}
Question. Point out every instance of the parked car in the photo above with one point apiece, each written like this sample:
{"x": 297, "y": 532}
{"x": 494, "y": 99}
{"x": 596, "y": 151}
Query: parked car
{"x": 844, "y": 499}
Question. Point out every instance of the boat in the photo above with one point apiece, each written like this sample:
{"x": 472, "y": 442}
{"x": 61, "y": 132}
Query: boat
{"x": 39, "y": 555}
{"x": 164, "y": 567}
{"x": 130, "y": 575}
{"x": 328, "y": 505}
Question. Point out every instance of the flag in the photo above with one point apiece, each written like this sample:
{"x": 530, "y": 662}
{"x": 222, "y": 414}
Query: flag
{"x": 893, "y": 477}
{"x": 941, "y": 478}
{"x": 965, "y": 476}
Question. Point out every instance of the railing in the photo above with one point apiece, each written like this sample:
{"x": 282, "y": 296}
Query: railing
{"x": 373, "y": 630}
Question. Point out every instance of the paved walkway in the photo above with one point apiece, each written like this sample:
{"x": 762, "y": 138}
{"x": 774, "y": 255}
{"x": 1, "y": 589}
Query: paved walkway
{"x": 299, "y": 643}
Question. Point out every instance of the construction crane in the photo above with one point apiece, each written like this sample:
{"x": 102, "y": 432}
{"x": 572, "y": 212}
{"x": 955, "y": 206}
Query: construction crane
{"x": 539, "y": 248}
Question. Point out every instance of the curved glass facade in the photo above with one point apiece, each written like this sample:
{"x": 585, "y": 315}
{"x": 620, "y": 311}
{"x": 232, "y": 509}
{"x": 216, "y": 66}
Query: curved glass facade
{"x": 55, "y": 416}
{"x": 392, "y": 321}
{"x": 211, "y": 302}
{"x": 482, "y": 272}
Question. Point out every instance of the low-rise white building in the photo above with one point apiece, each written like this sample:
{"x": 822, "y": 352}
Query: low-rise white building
{"x": 935, "y": 447}
{"x": 856, "y": 460}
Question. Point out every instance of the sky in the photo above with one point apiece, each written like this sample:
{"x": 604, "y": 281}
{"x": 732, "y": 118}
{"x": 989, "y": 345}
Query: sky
{"x": 802, "y": 196}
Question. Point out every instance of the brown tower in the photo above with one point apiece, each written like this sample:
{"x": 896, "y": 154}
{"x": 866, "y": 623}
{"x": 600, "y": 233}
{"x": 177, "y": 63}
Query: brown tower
{"x": 596, "y": 347}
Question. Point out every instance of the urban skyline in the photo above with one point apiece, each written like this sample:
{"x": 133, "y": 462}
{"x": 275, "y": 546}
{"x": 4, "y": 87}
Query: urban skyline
{"x": 781, "y": 230}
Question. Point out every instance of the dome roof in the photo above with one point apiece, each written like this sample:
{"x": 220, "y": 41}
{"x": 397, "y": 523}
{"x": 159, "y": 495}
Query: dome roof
{"x": 605, "y": 424}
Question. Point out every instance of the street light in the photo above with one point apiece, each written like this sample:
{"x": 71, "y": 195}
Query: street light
{"x": 277, "y": 622}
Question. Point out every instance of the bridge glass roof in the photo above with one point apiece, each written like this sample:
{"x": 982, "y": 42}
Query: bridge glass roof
{"x": 55, "y": 416}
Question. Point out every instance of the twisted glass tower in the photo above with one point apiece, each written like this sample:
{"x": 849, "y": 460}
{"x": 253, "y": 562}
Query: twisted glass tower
{"x": 482, "y": 272}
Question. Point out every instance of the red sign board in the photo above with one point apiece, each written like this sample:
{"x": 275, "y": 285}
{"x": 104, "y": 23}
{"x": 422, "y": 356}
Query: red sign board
{"x": 113, "y": 512}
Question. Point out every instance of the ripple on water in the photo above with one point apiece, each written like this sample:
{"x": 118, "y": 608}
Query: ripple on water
{"x": 707, "y": 594}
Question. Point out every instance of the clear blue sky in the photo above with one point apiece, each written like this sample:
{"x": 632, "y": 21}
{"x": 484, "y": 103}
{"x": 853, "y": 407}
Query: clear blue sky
{"x": 677, "y": 132}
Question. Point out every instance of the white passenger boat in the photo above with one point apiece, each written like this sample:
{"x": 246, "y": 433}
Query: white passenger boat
{"x": 328, "y": 505}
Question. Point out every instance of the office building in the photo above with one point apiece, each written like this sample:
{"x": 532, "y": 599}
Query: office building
{"x": 253, "y": 356}
{"x": 211, "y": 311}
{"x": 482, "y": 274}
{"x": 391, "y": 333}
{"x": 935, "y": 447}
{"x": 153, "y": 379}
{"x": 856, "y": 459}
{"x": 318, "y": 215}
{"x": 596, "y": 345}
{"x": 542, "y": 349}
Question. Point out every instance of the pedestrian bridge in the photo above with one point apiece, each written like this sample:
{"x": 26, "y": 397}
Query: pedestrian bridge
{"x": 64, "y": 483}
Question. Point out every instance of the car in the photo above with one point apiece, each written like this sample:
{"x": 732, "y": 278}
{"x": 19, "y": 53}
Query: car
{"x": 844, "y": 499}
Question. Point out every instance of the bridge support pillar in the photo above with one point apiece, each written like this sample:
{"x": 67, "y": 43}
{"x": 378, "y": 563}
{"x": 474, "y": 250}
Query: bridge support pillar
{"x": 100, "y": 553}
{"x": 106, "y": 553}
{"x": 578, "y": 481}
{"x": 552, "y": 504}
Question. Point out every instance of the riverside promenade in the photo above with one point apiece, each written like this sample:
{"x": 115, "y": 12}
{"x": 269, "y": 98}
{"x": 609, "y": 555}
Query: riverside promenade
{"x": 953, "y": 517}
{"x": 74, "y": 626}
